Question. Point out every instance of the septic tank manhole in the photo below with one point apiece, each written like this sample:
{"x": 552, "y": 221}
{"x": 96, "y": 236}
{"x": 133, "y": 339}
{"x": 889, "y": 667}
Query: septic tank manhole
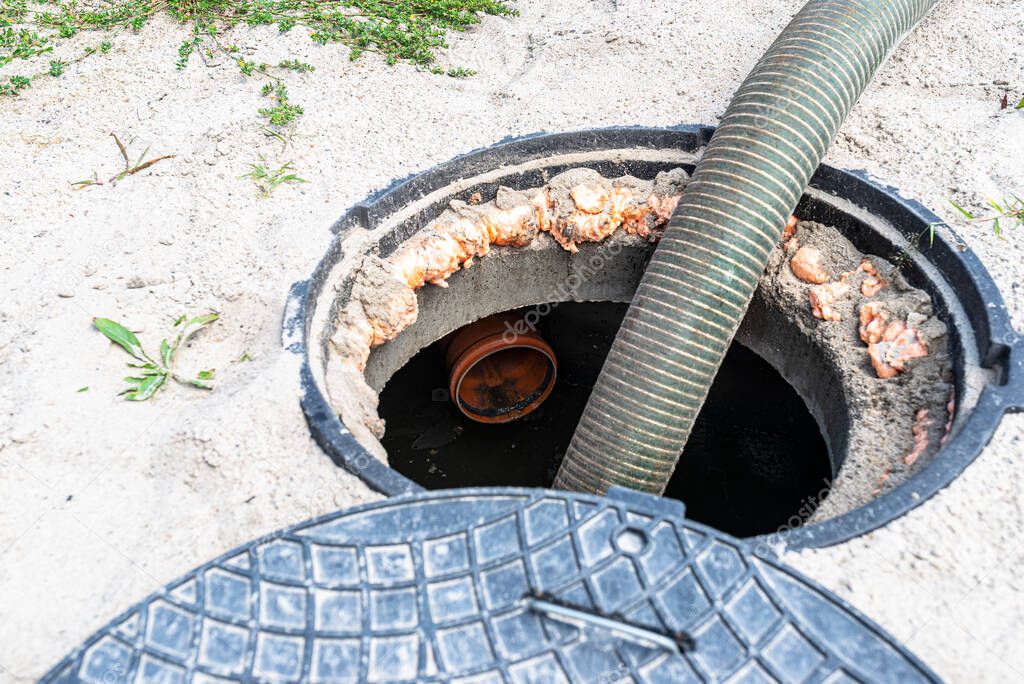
{"x": 891, "y": 442}
{"x": 497, "y": 585}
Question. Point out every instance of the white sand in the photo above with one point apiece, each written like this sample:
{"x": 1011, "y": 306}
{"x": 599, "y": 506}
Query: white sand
{"x": 104, "y": 501}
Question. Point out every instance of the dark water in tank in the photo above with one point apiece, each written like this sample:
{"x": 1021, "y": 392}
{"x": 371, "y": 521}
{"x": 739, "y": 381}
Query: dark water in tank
{"x": 755, "y": 457}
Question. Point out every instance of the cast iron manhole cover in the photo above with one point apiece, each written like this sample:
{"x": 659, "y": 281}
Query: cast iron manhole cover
{"x": 494, "y": 585}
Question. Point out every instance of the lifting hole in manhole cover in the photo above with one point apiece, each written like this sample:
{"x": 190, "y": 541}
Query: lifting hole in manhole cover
{"x": 632, "y": 541}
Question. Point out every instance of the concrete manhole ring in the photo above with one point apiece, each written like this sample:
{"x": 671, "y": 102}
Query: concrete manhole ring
{"x": 986, "y": 356}
{"x": 495, "y": 585}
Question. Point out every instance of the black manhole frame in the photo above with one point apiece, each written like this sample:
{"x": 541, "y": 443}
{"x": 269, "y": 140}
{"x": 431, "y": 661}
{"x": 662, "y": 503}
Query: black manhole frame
{"x": 998, "y": 346}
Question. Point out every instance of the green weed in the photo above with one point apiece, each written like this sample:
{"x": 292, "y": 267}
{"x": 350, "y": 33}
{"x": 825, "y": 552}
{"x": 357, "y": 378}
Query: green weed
{"x": 458, "y": 72}
{"x": 14, "y": 85}
{"x": 26, "y": 34}
{"x": 296, "y": 65}
{"x": 1010, "y": 211}
{"x": 150, "y": 374}
{"x": 266, "y": 181}
{"x": 410, "y": 31}
{"x": 285, "y": 111}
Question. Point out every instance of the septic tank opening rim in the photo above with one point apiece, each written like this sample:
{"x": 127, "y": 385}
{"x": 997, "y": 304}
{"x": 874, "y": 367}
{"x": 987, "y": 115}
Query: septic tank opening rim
{"x": 980, "y": 331}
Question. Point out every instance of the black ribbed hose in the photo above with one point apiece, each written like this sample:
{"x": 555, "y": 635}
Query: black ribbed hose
{"x": 703, "y": 274}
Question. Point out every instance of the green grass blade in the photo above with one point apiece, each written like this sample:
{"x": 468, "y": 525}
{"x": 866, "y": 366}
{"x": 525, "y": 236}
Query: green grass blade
{"x": 120, "y": 335}
{"x": 963, "y": 211}
{"x": 166, "y": 353}
{"x": 190, "y": 328}
{"x": 147, "y": 388}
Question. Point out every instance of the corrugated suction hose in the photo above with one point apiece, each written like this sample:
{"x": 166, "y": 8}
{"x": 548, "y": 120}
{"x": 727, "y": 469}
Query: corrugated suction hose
{"x": 704, "y": 271}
